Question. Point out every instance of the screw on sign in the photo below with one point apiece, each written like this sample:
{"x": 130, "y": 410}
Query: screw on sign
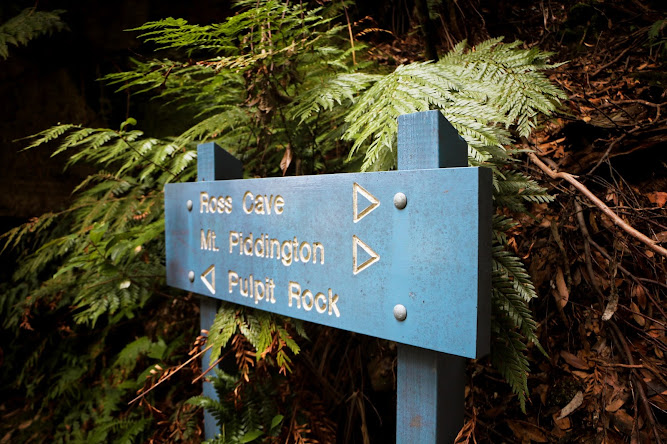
{"x": 347, "y": 251}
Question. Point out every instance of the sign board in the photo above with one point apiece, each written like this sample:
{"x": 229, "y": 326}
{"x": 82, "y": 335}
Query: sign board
{"x": 400, "y": 255}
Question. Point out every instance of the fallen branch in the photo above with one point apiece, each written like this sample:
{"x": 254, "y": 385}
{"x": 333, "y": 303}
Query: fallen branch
{"x": 603, "y": 207}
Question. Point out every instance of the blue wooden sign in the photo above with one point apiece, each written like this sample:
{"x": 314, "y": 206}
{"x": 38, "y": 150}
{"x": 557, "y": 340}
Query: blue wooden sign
{"x": 400, "y": 255}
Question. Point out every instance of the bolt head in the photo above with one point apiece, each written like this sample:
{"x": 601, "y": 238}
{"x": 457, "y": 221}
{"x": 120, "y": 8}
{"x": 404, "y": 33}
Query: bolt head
{"x": 400, "y": 312}
{"x": 400, "y": 201}
{"x": 189, "y": 205}
{"x": 191, "y": 276}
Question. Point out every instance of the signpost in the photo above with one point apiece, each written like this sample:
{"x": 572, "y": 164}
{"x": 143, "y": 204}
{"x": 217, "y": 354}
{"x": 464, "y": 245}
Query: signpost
{"x": 401, "y": 255}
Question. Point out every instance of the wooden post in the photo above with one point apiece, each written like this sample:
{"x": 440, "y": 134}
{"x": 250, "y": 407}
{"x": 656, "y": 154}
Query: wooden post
{"x": 213, "y": 163}
{"x": 430, "y": 392}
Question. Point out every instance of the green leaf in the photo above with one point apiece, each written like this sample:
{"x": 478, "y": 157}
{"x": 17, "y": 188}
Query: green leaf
{"x": 251, "y": 436}
{"x": 276, "y": 421}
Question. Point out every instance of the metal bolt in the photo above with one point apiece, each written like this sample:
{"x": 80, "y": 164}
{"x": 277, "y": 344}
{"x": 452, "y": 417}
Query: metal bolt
{"x": 400, "y": 200}
{"x": 189, "y": 204}
{"x": 400, "y": 312}
{"x": 191, "y": 276}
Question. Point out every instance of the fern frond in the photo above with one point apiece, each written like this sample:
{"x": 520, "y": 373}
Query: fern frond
{"x": 28, "y": 25}
{"x": 330, "y": 92}
{"x": 508, "y": 356}
{"x": 222, "y": 329}
{"x": 513, "y": 189}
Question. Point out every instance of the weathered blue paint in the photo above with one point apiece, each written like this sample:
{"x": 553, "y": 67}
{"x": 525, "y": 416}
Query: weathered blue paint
{"x": 429, "y": 258}
{"x": 208, "y": 307}
{"x": 429, "y": 396}
{"x": 213, "y": 163}
{"x": 430, "y": 385}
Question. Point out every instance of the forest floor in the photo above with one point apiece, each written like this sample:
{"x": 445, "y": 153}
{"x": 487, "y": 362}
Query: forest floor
{"x": 601, "y": 309}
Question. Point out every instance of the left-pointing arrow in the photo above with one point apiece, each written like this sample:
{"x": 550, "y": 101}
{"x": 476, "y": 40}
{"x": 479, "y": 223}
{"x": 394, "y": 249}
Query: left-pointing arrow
{"x": 210, "y": 285}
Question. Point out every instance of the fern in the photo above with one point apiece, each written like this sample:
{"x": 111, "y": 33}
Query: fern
{"x": 475, "y": 90}
{"x": 252, "y": 415}
{"x": 28, "y": 25}
{"x": 509, "y": 358}
{"x": 222, "y": 329}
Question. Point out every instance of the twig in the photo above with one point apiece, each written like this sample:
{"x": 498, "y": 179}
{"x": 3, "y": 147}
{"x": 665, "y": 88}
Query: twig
{"x": 606, "y": 153}
{"x": 605, "y": 209}
{"x": 643, "y": 102}
{"x": 210, "y": 367}
{"x": 605, "y": 66}
{"x": 172, "y": 373}
{"x": 605, "y": 364}
{"x": 349, "y": 30}
{"x": 587, "y": 250}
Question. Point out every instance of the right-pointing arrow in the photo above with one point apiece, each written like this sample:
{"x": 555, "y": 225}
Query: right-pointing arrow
{"x": 374, "y": 202}
{"x": 374, "y": 257}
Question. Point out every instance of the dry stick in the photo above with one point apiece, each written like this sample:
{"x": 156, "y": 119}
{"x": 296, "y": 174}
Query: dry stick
{"x": 210, "y": 367}
{"x": 643, "y": 102}
{"x": 620, "y": 56}
{"x": 172, "y": 373}
{"x": 587, "y": 251}
{"x": 606, "y": 153}
{"x": 605, "y": 209}
{"x": 349, "y": 30}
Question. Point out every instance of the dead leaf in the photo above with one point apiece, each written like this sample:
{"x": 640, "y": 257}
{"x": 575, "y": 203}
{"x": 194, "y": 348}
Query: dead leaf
{"x": 614, "y": 405}
{"x": 562, "y": 423}
{"x": 658, "y": 197}
{"x": 623, "y": 421}
{"x": 611, "y": 307}
{"x": 660, "y": 400}
{"x": 527, "y": 432}
{"x": 639, "y": 293}
{"x": 561, "y": 286}
{"x": 286, "y": 160}
{"x": 661, "y": 237}
{"x": 581, "y": 375}
{"x": 467, "y": 433}
{"x": 542, "y": 390}
{"x": 573, "y": 405}
{"x": 26, "y": 424}
{"x": 638, "y": 318}
{"x": 574, "y": 360}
